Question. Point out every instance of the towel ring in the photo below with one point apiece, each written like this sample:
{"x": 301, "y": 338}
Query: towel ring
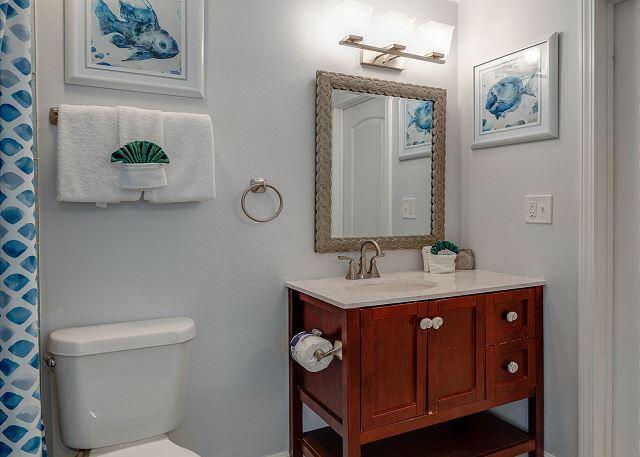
{"x": 260, "y": 186}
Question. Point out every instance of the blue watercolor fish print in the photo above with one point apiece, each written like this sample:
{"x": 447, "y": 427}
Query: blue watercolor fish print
{"x": 422, "y": 117}
{"x": 506, "y": 95}
{"x": 139, "y": 30}
{"x": 418, "y": 122}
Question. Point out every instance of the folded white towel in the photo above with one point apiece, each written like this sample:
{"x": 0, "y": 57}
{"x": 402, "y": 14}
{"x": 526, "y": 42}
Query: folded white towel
{"x": 87, "y": 136}
{"x": 188, "y": 141}
{"x": 137, "y": 124}
{"x": 140, "y": 125}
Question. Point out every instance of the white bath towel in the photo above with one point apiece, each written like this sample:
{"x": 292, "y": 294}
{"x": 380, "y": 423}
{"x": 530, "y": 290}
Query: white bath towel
{"x": 87, "y": 136}
{"x": 188, "y": 141}
{"x": 137, "y": 124}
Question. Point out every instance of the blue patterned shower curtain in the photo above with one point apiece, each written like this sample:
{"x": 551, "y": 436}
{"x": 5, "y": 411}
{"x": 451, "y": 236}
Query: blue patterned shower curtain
{"x": 21, "y": 428}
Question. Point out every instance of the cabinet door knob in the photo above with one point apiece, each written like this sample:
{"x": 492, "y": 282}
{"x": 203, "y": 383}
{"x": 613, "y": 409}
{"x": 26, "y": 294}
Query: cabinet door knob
{"x": 512, "y": 316}
{"x": 513, "y": 367}
{"x": 437, "y": 322}
{"x": 426, "y": 323}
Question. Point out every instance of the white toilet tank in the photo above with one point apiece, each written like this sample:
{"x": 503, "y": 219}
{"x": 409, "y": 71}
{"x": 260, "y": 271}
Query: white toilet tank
{"x": 120, "y": 383}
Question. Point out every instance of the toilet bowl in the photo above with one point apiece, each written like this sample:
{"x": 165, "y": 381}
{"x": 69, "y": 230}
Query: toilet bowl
{"x": 159, "y": 446}
{"x": 122, "y": 387}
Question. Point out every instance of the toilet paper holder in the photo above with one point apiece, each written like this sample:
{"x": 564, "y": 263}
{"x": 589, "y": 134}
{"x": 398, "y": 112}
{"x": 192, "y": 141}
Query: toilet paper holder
{"x": 336, "y": 351}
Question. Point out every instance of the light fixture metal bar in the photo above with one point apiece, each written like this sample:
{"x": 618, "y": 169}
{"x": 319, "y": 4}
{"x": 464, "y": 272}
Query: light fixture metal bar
{"x": 355, "y": 41}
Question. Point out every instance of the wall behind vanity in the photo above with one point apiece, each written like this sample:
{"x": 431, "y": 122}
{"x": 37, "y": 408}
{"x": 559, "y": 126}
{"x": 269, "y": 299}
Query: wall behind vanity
{"x": 494, "y": 182}
{"x": 137, "y": 261}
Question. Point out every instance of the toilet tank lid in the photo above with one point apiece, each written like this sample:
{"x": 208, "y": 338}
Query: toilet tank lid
{"x": 101, "y": 339}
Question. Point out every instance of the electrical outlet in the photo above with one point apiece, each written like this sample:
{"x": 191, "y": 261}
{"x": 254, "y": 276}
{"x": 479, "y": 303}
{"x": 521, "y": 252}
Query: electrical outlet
{"x": 408, "y": 208}
{"x": 538, "y": 209}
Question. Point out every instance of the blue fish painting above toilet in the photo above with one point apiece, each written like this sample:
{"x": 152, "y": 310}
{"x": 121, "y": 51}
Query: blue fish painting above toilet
{"x": 139, "y": 36}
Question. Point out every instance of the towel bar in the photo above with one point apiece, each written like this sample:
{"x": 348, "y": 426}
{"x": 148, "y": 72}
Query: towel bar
{"x": 260, "y": 186}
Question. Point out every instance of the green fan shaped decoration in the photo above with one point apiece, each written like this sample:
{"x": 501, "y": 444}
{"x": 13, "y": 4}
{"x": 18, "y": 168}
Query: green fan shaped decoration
{"x": 442, "y": 245}
{"x": 140, "y": 152}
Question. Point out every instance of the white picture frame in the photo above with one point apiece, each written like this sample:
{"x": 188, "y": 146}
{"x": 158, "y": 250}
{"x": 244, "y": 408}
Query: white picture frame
{"x": 80, "y": 70}
{"x": 516, "y": 96}
{"x": 411, "y": 151}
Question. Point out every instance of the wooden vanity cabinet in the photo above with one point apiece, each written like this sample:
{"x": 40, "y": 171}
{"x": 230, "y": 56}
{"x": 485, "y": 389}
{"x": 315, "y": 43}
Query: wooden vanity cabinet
{"x": 409, "y": 391}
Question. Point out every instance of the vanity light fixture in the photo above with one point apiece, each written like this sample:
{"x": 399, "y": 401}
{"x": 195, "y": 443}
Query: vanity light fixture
{"x": 435, "y": 38}
{"x": 352, "y": 17}
{"x": 392, "y": 27}
{"x": 386, "y": 37}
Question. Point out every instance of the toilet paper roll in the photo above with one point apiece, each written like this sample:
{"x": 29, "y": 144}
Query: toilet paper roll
{"x": 304, "y": 345}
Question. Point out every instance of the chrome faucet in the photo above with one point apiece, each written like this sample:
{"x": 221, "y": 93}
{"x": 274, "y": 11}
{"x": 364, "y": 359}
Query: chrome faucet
{"x": 363, "y": 272}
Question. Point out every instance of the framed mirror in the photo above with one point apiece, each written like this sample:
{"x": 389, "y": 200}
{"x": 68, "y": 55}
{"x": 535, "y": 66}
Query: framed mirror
{"x": 380, "y": 163}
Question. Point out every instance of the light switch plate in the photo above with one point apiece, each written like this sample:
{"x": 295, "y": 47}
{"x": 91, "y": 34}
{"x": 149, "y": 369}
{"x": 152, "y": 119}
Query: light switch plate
{"x": 538, "y": 209}
{"x": 408, "y": 208}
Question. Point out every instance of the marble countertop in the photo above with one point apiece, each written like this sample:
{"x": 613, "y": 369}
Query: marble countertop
{"x": 388, "y": 289}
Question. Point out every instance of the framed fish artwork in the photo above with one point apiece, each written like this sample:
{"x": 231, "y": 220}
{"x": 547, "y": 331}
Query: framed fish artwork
{"x": 416, "y": 124}
{"x": 154, "y": 46}
{"x": 516, "y": 96}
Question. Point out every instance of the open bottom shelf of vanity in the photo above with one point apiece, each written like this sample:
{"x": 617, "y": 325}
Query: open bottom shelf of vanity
{"x": 479, "y": 435}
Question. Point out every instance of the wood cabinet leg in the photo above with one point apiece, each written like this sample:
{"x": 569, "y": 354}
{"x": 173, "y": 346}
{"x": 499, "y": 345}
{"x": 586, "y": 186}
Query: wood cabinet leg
{"x": 536, "y": 403}
{"x": 295, "y": 404}
{"x": 295, "y": 422}
{"x": 351, "y": 448}
{"x": 536, "y": 423}
{"x": 351, "y": 382}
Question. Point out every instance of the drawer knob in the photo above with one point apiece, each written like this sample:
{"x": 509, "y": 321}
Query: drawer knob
{"x": 512, "y": 316}
{"x": 426, "y": 323}
{"x": 513, "y": 367}
{"x": 437, "y": 322}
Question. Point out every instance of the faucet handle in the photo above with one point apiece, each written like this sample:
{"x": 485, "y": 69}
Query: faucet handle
{"x": 373, "y": 267}
{"x": 351, "y": 272}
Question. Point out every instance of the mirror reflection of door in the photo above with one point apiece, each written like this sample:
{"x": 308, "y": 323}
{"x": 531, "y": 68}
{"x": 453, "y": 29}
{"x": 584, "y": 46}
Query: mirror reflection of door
{"x": 376, "y": 190}
{"x": 365, "y": 175}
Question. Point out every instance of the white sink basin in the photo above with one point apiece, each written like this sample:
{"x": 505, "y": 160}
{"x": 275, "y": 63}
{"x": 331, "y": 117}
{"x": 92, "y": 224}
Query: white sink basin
{"x": 393, "y": 285}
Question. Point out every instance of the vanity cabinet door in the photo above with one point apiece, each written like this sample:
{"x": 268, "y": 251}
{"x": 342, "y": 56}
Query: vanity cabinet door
{"x": 456, "y": 353}
{"x": 393, "y": 358}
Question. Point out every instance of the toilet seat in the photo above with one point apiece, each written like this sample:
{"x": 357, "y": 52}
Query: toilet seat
{"x": 159, "y": 446}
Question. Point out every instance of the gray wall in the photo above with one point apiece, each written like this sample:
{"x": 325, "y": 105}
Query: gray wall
{"x": 494, "y": 181}
{"x": 136, "y": 261}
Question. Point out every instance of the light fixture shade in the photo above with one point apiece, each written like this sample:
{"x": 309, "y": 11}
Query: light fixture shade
{"x": 392, "y": 27}
{"x": 352, "y": 18}
{"x": 435, "y": 37}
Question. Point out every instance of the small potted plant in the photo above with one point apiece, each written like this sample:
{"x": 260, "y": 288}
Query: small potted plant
{"x": 442, "y": 257}
{"x": 141, "y": 165}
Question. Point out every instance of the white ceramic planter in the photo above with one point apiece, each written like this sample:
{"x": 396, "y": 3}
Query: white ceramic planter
{"x": 442, "y": 263}
{"x": 142, "y": 175}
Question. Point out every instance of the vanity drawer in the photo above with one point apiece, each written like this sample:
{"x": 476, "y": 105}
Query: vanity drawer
{"x": 510, "y": 316}
{"x": 511, "y": 369}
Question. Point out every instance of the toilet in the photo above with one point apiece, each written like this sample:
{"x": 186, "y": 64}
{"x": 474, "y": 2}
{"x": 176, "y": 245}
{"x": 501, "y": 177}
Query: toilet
{"x": 122, "y": 387}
